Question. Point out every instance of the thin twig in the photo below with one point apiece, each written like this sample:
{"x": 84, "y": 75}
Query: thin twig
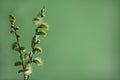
{"x": 19, "y": 48}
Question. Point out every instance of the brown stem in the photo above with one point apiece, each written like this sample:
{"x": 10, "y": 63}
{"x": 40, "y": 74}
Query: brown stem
{"x": 23, "y": 66}
{"x": 33, "y": 46}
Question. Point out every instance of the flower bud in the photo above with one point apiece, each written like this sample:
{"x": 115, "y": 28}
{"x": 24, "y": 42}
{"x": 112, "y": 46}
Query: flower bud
{"x": 38, "y": 50}
{"x": 15, "y": 46}
{"x": 38, "y": 61}
{"x": 42, "y": 33}
{"x": 12, "y": 19}
{"x": 18, "y": 63}
{"x": 20, "y": 71}
{"x": 23, "y": 49}
{"x": 28, "y": 69}
{"x": 44, "y": 26}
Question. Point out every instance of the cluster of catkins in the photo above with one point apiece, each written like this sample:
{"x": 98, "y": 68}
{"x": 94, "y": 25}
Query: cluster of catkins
{"x": 26, "y": 57}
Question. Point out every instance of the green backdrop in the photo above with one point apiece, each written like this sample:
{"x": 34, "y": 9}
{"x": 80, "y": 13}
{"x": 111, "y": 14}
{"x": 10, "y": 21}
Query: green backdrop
{"x": 82, "y": 43}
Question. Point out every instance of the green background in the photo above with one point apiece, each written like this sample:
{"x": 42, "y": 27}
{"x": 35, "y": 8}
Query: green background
{"x": 82, "y": 43}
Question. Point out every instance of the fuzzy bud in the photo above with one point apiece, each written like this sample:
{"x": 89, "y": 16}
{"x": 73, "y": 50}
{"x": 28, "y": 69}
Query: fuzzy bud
{"x": 44, "y": 26}
{"x": 38, "y": 50}
{"x": 12, "y": 19}
{"x": 42, "y": 33}
{"x": 18, "y": 63}
{"x": 15, "y": 46}
{"x": 38, "y": 61}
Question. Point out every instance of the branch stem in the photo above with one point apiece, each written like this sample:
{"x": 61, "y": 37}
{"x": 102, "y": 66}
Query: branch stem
{"x": 26, "y": 77}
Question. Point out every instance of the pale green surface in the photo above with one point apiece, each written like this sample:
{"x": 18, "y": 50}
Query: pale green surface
{"x": 82, "y": 44}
